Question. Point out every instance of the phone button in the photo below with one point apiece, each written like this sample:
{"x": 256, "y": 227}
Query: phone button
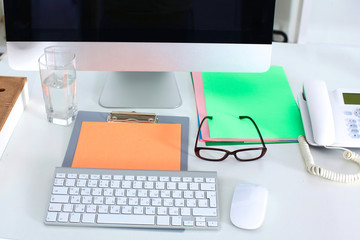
{"x": 351, "y": 121}
{"x": 357, "y": 112}
{"x": 355, "y": 135}
{"x": 353, "y": 126}
{"x": 355, "y": 130}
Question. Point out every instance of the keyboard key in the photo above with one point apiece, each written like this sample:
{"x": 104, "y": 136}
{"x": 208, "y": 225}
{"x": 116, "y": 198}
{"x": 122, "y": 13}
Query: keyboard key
{"x": 187, "y": 179}
{"x": 80, "y": 208}
{"x": 189, "y": 223}
{"x": 91, "y": 209}
{"x": 207, "y": 186}
{"x": 126, "y": 210}
{"x": 164, "y": 179}
{"x": 70, "y": 182}
{"x": 88, "y": 218}
{"x": 55, "y": 207}
{"x": 59, "y": 182}
{"x": 75, "y": 217}
{"x": 212, "y": 223}
{"x": 210, "y": 180}
{"x": 60, "y": 175}
{"x": 176, "y": 221}
{"x": 59, "y": 198}
{"x": 92, "y": 183}
{"x": 118, "y": 177}
{"x": 51, "y": 216}
{"x": 185, "y": 211}
{"x": 162, "y": 211}
{"x": 83, "y": 176}
{"x": 198, "y": 180}
{"x": 179, "y": 202}
{"x": 72, "y": 175}
{"x": 150, "y": 210}
{"x": 63, "y": 217}
{"x": 115, "y": 209}
{"x": 103, "y": 209}
{"x": 200, "y": 224}
{"x": 68, "y": 207}
{"x": 74, "y": 190}
{"x": 81, "y": 183}
{"x": 107, "y": 177}
{"x": 194, "y": 186}
{"x": 163, "y": 220}
{"x": 173, "y": 211}
{"x": 95, "y": 176}
{"x": 130, "y": 178}
{"x": 98, "y": 200}
{"x": 127, "y": 219}
{"x": 75, "y": 199}
{"x": 152, "y": 178}
{"x": 211, "y": 212}
{"x": 138, "y": 210}
{"x": 115, "y": 184}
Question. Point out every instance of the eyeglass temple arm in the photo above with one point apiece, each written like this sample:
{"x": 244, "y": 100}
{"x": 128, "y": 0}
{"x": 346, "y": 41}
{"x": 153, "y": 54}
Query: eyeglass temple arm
{"x": 241, "y": 117}
{"x": 257, "y": 129}
{"x": 197, "y": 136}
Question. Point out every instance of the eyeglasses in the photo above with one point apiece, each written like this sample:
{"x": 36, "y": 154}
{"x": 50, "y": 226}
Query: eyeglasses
{"x": 218, "y": 154}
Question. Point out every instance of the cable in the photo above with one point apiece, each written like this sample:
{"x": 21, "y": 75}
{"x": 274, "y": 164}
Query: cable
{"x": 328, "y": 174}
{"x": 280, "y": 33}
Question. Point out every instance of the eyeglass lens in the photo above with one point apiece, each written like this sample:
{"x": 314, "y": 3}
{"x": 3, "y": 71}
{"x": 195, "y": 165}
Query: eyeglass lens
{"x": 212, "y": 154}
{"x": 249, "y": 154}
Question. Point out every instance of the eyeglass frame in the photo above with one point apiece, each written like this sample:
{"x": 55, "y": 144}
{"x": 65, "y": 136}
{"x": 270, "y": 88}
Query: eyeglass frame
{"x": 227, "y": 152}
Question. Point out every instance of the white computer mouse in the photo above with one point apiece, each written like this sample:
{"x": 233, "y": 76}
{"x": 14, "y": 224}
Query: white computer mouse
{"x": 248, "y": 206}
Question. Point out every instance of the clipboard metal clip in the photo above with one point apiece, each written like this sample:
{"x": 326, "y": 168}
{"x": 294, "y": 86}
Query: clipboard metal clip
{"x": 132, "y": 117}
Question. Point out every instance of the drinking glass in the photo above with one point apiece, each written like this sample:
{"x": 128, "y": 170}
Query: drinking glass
{"x": 58, "y": 80}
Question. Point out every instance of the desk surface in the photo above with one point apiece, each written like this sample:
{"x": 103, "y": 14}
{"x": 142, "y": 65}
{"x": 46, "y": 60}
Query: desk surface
{"x": 300, "y": 206}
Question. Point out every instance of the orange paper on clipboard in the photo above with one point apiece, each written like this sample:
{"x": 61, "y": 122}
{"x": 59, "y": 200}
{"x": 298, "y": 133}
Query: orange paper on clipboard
{"x": 127, "y": 145}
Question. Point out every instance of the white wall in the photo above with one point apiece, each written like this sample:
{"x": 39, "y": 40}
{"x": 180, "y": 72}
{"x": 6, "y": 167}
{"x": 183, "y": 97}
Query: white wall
{"x": 319, "y": 21}
{"x": 331, "y": 22}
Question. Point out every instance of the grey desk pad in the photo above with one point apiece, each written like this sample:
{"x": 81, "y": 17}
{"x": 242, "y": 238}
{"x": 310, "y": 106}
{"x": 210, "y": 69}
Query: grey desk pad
{"x": 85, "y": 116}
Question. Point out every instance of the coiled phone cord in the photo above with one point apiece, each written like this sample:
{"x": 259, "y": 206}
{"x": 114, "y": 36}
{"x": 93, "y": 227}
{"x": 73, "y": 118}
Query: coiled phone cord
{"x": 328, "y": 174}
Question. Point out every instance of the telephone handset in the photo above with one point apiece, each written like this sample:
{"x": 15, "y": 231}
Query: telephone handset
{"x": 331, "y": 120}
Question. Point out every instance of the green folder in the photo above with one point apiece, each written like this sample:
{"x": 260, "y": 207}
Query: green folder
{"x": 266, "y": 97}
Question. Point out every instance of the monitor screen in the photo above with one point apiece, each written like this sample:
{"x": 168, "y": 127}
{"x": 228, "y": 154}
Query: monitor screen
{"x": 199, "y": 21}
{"x": 144, "y": 35}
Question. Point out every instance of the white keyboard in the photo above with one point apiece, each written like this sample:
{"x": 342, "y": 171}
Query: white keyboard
{"x": 134, "y": 198}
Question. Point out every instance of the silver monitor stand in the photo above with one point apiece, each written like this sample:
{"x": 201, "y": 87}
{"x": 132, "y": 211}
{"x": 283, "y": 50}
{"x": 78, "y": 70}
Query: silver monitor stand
{"x": 140, "y": 90}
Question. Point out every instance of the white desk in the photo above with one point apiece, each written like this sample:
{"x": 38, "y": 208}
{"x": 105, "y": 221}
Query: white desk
{"x": 301, "y": 206}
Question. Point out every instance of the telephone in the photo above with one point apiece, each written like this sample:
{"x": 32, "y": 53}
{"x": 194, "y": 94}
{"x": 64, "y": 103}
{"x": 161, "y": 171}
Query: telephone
{"x": 331, "y": 120}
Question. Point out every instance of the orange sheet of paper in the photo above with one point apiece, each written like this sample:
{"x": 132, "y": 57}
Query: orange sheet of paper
{"x": 146, "y": 146}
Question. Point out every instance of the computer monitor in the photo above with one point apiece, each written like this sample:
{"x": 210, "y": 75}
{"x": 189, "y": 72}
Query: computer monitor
{"x": 143, "y": 42}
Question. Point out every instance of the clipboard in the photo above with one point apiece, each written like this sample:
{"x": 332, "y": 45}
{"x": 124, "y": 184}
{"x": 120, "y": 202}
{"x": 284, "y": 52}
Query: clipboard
{"x": 86, "y": 116}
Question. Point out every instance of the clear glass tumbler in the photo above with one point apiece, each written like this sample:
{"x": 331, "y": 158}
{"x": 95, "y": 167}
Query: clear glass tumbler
{"x": 58, "y": 79}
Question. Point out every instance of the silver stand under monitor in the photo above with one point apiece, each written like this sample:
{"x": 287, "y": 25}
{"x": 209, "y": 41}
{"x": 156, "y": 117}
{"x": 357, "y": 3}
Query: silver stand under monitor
{"x": 140, "y": 90}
